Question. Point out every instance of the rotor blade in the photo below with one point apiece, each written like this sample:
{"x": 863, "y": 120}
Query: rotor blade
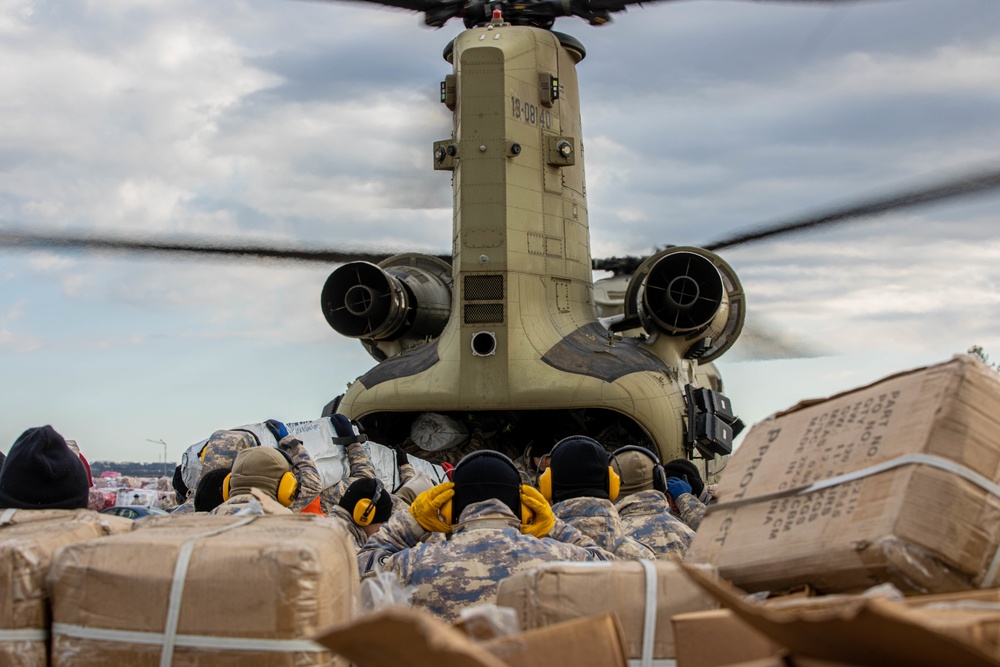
{"x": 413, "y": 5}
{"x": 20, "y": 239}
{"x": 959, "y": 187}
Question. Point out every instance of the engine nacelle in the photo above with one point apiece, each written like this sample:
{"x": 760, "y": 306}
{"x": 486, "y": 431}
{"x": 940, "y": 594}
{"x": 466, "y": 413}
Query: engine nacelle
{"x": 406, "y": 299}
{"x": 688, "y": 293}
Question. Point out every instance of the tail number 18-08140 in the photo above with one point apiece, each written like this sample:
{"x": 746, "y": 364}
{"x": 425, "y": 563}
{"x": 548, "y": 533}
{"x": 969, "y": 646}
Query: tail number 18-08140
{"x": 529, "y": 113}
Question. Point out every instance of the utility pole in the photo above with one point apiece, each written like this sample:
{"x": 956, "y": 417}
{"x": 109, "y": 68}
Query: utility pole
{"x": 160, "y": 442}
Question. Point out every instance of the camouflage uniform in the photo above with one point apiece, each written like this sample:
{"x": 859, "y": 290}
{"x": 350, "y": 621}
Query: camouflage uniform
{"x": 238, "y": 503}
{"x": 646, "y": 518}
{"x": 361, "y": 466}
{"x": 305, "y": 470}
{"x": 691, "y": 509}
{"x": 525, "y": 464}
{"x": 220, "y": 452}
{"x": 487, "y": 546}
{"x": 598, "y": 519}
{"x": 356, "y": 531}
{"x": 406, "y": 473}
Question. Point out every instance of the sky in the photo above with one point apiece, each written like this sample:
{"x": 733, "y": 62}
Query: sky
{"x": 285, "y": 121}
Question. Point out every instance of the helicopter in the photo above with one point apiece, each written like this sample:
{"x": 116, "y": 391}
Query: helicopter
{"x": 610, "y": 339}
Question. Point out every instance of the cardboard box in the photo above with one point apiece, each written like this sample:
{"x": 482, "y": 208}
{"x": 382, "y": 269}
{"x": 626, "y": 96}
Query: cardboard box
{"x": 869, "y": 631}
{"x": 254, "y": 589}
{"x": 421, "y": 640}
{"x": 28, "y": 540}
{"x": 558, "y": 592}
{"x": 929, "y": 522}
{"x": 717, "y": 638}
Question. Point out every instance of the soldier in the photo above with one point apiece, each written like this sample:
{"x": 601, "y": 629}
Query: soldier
{"x": 180, "y": 489}
{"x": 208, "y": 496}
{"x": 262, "y": 474}
{"x": 223, "y": 447}
{"x": 689, "y": 496}
{"x": 42, "y": 472}
{"x": 360, "y": 463}
{"x": 580, "y": 484}
{"x": 498, "y": 527}
{"x": 643, "y": 505}
{"x": 364, "y": 507}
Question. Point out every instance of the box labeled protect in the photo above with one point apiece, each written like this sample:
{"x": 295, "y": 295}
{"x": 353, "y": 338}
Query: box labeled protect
{"x": 893, "y": 482}
{"x": 201, "y": 590}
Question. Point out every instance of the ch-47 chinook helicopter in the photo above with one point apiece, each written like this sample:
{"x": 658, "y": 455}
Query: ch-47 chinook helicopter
{"x": 509, "y": 330}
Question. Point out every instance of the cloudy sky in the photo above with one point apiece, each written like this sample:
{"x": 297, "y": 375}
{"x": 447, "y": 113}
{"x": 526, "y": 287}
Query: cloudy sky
{"x": 285, "y": 121}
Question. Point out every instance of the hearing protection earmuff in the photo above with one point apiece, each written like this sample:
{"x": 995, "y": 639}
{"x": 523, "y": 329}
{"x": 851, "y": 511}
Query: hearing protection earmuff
{"x": 288, "y": 485}
{"x": 364, "y": 509}
{"x": 447, "y": 509}
{"x": 659, "y": 474}
{"x": 545, "y": 480}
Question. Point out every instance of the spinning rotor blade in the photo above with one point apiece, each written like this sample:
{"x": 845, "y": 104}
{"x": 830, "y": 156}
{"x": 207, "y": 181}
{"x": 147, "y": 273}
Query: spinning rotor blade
{"x": 541, "y": 13}
{"x": 958, "y": 187}
{"x": 20, "y": 239}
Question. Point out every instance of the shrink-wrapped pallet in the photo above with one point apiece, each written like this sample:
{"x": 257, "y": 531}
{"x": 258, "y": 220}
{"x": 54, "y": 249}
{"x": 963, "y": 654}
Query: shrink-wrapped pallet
{"x": 28, "y": 540}
{"x": 201, "y": 590}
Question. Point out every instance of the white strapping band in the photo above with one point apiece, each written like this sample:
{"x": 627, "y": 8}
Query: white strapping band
{"x": 24, "y": 635}
{"x": 938, "y": 462}
{"x": 188, "y": 641}
{"x": 177, "y": 589}
{"x": 649, "y": 616}
{"x": 7, "y": 516}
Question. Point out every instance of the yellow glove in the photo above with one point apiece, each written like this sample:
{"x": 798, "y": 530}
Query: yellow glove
{"x": 426, "y": 507}
{"x": 538, "y": 519}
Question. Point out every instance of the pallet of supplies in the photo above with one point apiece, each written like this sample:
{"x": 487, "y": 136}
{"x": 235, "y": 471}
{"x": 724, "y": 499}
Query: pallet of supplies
{"x": 893, "y": 482}
{"x": 644, "y": 595}
{"x": 200, "y": 590}
{"x": 28, "y": 540}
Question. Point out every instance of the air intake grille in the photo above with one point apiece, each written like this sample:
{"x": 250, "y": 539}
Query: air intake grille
{"x": 484, "y": 288}
{"x": 484, "y": 313}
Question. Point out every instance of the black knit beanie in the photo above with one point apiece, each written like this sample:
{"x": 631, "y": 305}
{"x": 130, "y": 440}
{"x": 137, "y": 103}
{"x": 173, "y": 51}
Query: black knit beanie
{"x": 680, "y": 468}
{"x": 482, "y": 475}
{"x": 579, "y": 469}
{"x": 208, "y": 495}
{"x": 362, "y": 489}
{"x": 42, "y": 472}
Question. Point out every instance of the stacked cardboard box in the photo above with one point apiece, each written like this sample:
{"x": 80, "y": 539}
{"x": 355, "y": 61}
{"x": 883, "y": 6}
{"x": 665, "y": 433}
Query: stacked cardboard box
{"x": 420, "y": 640}
{"x": 28, "y": 540}
{"x": 204, "y": 590}
{"x": 640, "y": 593}
{"x": 872, "y": 629}
{"x": 893, "y": 482}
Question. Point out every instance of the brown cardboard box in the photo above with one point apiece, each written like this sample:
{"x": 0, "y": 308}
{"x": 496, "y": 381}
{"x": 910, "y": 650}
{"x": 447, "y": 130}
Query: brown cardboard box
{"x": 28, "y": 540}
{"x": 421, "y": 640}
{"x": 717, "y": 638}
{"x": 923, "y": 528}
{"x": 251, "y": 594}
{"x": 869, "y": 630}
{"x": 559, "y": 592}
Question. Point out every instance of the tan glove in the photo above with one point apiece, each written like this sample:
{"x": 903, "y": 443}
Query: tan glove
{"x": 541, "y": 518}
{"x": 426, "y": 507}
